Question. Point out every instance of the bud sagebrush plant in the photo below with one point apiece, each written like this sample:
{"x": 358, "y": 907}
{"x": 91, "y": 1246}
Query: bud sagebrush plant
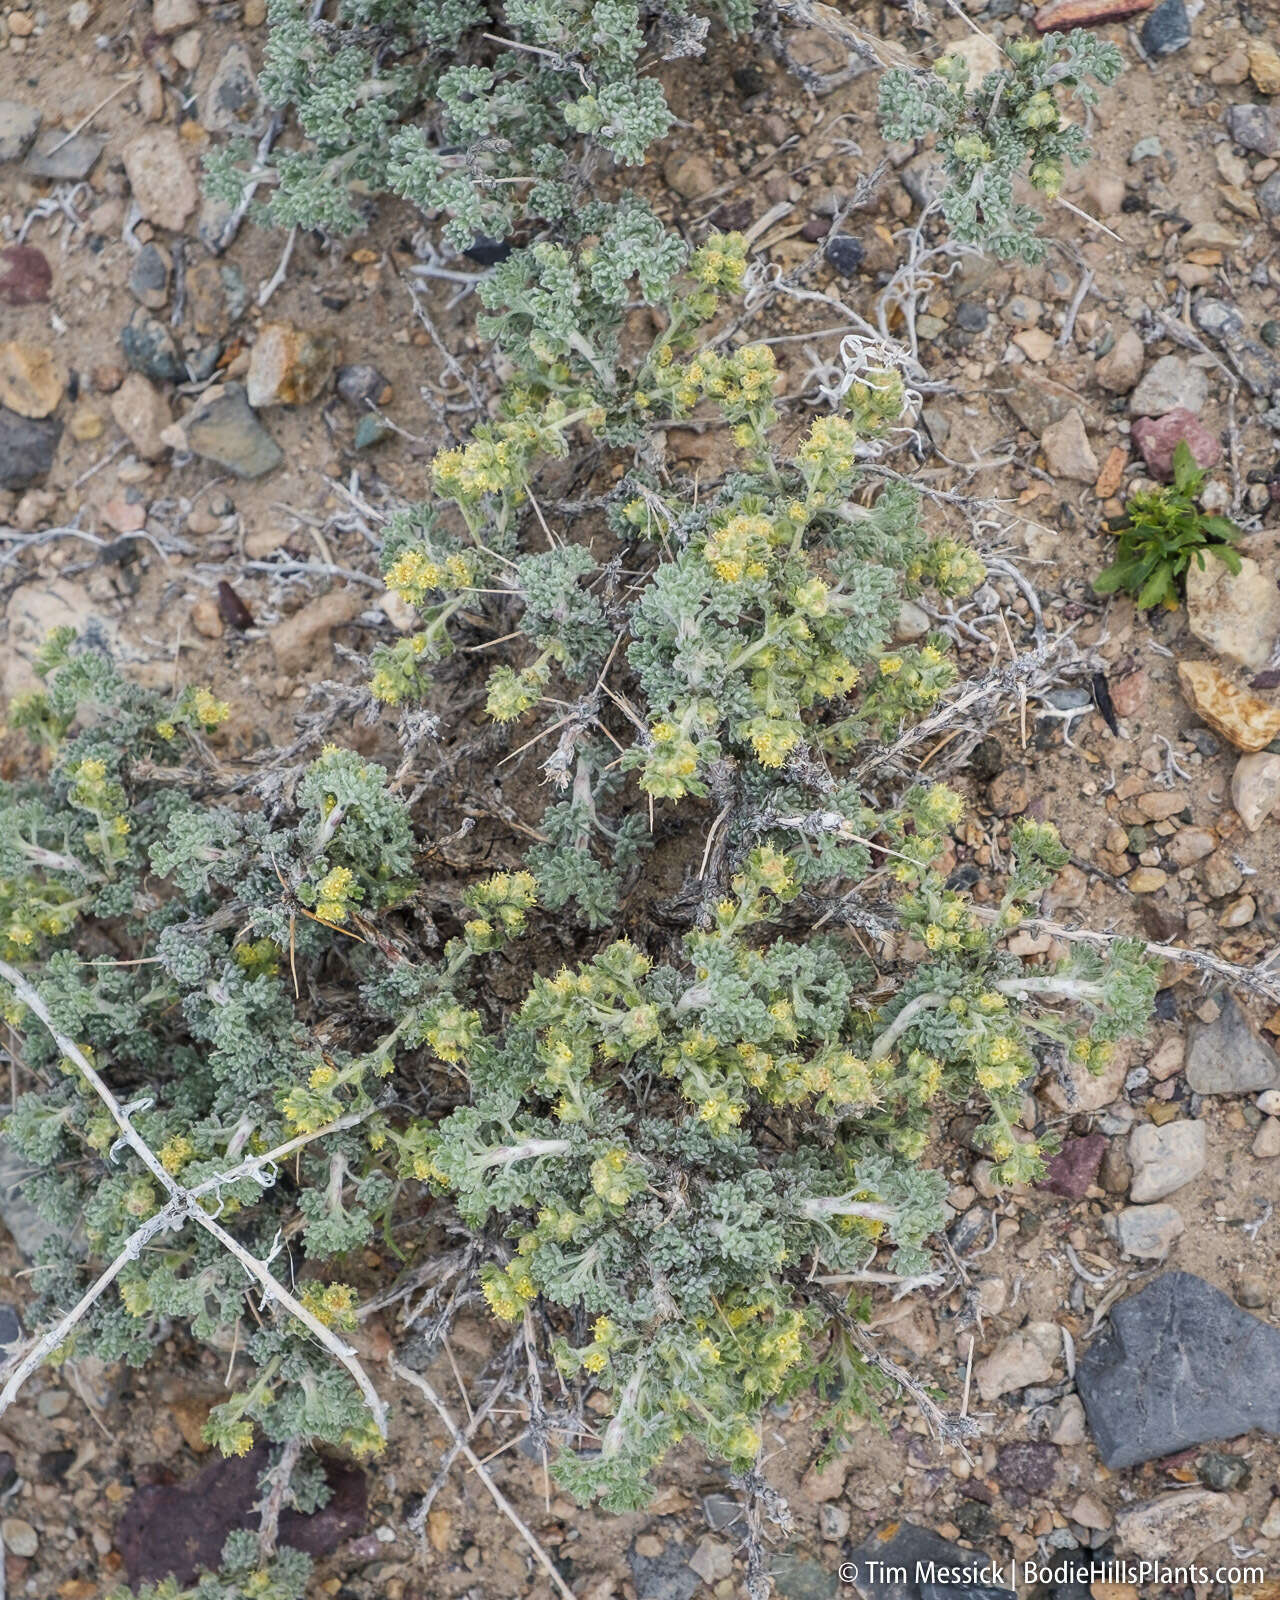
{"x": 500, "y": 119}
{"x": 654, "y": 1144}
{"x": 1013, "y": 123}
{"x": 492, "y": 114}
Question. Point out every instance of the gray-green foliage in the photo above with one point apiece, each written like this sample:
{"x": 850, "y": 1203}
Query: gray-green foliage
{"x": 483, "y": 111}
{"x": 1012, "y": 124}
{"x": 497, "y": 116}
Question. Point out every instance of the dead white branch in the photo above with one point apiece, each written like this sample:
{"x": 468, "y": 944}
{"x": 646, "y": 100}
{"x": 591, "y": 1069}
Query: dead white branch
{"x": 183, "y": 1206}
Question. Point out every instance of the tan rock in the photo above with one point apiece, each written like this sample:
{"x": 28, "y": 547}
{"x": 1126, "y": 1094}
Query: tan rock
{"x": 1035, "y": 344}
{"x": 688, "y": 174}
{"x": 1158, "y": 805}
{"x": 206, "y": 619}
{"x": 1255, "y": 788}
{"x": 85, "y": 424}
{"x": 1236, "y": 614}
{"x": 1146, "y": 880}
{"x": 1067, "y": 450}
{"x": 1264, "y": 66}
{"x": 1090, "y": 1513}
{"x": 980, "y": 53}
{"x": 160, "y": 178}
{"x": 1266, "y": 1143}
{"x": 1025, "y": 1357}
{"x": 288, "y": 365}
{"x": 1190, "y": 845}
{"x": 1241, "y": 717}
{"x": 142, "y": 414}
{"x": 297, "y": 641}
{"x": 1176, "y": 1527}
{"x": 1121, "y": 367}
{"x": 31, "y": 379}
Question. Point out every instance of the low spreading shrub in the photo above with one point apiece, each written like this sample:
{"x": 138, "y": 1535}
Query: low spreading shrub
{"x": 691, "y": 1160}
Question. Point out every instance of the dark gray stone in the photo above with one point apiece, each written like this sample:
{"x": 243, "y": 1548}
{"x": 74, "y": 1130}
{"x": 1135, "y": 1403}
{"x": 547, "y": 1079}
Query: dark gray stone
{"x": 846, "y": 254}
{"x": 797, "y": 1578}
{"x": 1178, "y": 1364}
{"x": 935, "y": 1569}
{"x": 149, "y": 348}
{"x": 1167, "y": 29}
{"x": 27, "y": 446}
{"x": 10, "y": 1326}
{"x": 149, "y": 279}
{"x": 664, "y": 1577}
{"x": 63, "y": 159}
{"x": 972, "y": 316}
{"x": 1227, "y": 1057}
{"x": 1269, "y": 197}
{"x": 361, "y": 385}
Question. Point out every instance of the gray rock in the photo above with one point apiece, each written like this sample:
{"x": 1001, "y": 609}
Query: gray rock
{"x": 65, "y": 160}
{"x": 1148, "y": 1232}
{"x": 924, "y": 178}
{"x": 27, "y": 446}
{"x": 1256, "y": 365}
{"x": 149, "y": 279}
{"x": 225, "y": 430}
{"x": 664, "y": 1577}
{"x": 1165, "y": 1159}
{"x": 10, "y": 1326}
{"x": 1037, "y": 403}
{"x": 1178, "y": 1364}
{"x": 1145, "y": 150}
{"x": 1269, "y": 198}
{"x": 149, "y": 348}
{"x": 1253, "y": 361}
{"x": 361, "y": 386}
{"x": 19, "y": 124}
{"x": 213, "y": 222}
{"x": 1169, "y": 383}
{"x": 721, "y": 1511}
{"x": 875, "y": 1566}
{"x": 1255, "y": 127}
{"x": 795, "y": 1577}
{"x": 229, "y": 102}
{"x": 1216, "y": 318}
{"x": 1227, "y": 1056}
{"x": 1168, "y": 28}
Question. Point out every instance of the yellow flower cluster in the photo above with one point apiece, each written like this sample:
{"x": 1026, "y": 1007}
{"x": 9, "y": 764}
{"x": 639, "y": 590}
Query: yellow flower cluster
{"x": 503, "y": 901}
{"x": 509, "y": 1289}
{"x": 721, "y": 263}
{"x": 333, "y": 1304}
{"x": 739, "y": 548}
{"x": 416, "y": 573}
{"x": 334, "y": 893}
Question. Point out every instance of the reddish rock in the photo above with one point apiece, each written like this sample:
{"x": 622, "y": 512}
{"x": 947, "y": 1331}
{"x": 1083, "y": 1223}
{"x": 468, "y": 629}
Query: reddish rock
{"x": 179, "y": 1530}
{"x": 1129, "y": 694}
{"x": 1158, "y": 438}
{"x": 25, "y": 276}
{"x": 1075, "y": 1166}
{"x": 1063, "y": 14}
